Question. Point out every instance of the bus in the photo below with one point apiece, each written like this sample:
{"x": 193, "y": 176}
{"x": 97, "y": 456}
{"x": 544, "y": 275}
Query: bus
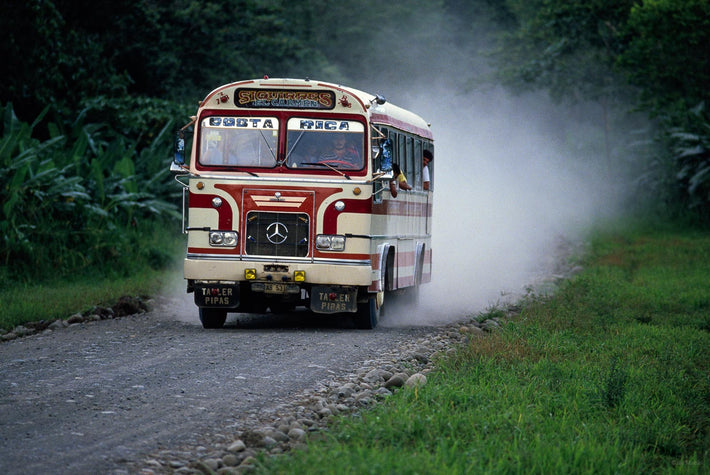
{"x": 288, "y": 201}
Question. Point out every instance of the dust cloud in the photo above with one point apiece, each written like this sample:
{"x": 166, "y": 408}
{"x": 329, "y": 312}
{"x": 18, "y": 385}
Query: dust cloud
{"x": 507, "y": 188}
{"x": 512, "y": 175}
{"x": 175, "y": 302}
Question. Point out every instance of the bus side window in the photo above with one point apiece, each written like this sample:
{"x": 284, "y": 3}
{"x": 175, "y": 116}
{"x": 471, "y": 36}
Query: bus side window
{"x": 382, "y": 159}
{"x": 417, "y": 154}
{"x": 408, "y": 163}
{"x": 401, "y": 158}
{"x": 382, "y": 162}
{"x": 429, "y": 174}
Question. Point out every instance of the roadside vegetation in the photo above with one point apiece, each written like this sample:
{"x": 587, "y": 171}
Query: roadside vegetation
{"x": 86, "y": 216}
{"x": 58, "y": 299}
{"x": 610, "y": 375}
{"x": 98, "y": 92}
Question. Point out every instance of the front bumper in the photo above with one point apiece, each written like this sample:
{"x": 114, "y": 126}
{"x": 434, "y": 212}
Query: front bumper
{"x": 338, "y": 272}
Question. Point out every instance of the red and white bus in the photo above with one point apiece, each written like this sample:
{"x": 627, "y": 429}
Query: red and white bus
{"x": 288, "y": 201}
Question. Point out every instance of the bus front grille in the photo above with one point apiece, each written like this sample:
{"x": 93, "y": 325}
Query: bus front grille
{"x": 277, "y": 234}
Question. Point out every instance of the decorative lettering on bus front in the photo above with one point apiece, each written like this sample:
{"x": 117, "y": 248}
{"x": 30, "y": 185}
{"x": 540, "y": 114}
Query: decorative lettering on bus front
{"x": 307, "y": 124}
{"x": 241, "y": 122}
{"x": 284, "y": 98}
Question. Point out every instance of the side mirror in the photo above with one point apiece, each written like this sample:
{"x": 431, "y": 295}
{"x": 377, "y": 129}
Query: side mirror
{"x": 376, "y": 149}
{"x": 179, "y": 149}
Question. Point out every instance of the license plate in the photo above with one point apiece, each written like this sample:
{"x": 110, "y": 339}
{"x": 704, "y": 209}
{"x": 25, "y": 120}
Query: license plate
{"x": 325, "y": 299}
{"x": 271, "y": 288}
{"x": 225, "y": 296}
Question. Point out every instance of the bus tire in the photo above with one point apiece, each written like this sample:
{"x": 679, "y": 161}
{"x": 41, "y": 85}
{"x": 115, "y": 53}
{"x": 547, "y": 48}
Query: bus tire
{"x": 212, "y": 317}
{"x": 368, "y": 313}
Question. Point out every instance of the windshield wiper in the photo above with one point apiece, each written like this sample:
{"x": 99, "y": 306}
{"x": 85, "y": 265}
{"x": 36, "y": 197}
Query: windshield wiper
{"x": 267, "y": 144}
{"x": 327, "y": 165}
{"x": 295, "y": 143}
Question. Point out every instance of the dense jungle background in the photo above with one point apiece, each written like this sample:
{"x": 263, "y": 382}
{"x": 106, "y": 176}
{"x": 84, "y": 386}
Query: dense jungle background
{"x": 94, "y": 92}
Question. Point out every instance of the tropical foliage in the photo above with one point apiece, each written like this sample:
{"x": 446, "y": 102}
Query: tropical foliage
{"x": 97, "y": 89}
{"x": 79, "y": 201}
{"x": 625, "y": 55}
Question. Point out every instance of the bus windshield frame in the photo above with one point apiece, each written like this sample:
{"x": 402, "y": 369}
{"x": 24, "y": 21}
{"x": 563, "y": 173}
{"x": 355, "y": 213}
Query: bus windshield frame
{"x": 332, "y": 143}
{"x": 236, "y": 141}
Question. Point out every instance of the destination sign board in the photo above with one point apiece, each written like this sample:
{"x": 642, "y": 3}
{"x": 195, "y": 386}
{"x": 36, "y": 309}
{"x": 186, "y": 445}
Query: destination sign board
{"x": 284, "y": 99}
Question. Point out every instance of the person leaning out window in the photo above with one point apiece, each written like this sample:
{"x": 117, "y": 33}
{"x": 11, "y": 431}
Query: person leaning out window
{"x": 399, "y": 181}
{"x": 426, "y": 159}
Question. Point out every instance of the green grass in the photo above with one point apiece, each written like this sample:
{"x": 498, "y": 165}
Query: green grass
{"x": 610, "y": 375}
{"x": 53, "y": 300}
{"x": 150, "y": 269}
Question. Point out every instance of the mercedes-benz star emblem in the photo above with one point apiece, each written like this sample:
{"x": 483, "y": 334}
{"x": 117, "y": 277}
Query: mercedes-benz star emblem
{"x": 276, "y": 233}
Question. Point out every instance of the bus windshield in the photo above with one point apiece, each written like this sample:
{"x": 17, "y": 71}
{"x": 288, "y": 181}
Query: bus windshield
{"x": 324, "y": 143}
{"x": 239, "y": 141}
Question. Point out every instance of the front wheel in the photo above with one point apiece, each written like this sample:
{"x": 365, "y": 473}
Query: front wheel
{"x": 368, "y": 313}
{"x": 212, "y": 317}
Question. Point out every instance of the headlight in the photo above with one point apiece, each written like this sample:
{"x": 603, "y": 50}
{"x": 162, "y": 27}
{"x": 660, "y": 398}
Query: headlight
{"x": 330, "y": 242}
{"x": 337, "y": 243}
{"x": 230, "y": 239}
{"x": 223, "y": 238}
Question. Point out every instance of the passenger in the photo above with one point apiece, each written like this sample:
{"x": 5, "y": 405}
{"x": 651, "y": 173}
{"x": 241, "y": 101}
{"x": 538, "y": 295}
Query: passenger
{"x": 426, "y": 159}
{"x": 341, "y": 153}
{"x": 399, "y": 181}
{"x": 212, "y": 155}
{"x": 245, "y": 150}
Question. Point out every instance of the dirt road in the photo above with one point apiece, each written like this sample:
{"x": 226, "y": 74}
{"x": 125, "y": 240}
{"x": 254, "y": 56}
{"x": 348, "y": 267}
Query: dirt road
{"x": 93, "y": 397}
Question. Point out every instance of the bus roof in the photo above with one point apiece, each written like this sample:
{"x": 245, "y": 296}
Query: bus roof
{"x": 305, "y": 94}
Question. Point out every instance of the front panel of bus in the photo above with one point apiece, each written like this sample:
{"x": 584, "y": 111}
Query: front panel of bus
{"x": 287, "y": 205}
{"x": 279, "y": 203}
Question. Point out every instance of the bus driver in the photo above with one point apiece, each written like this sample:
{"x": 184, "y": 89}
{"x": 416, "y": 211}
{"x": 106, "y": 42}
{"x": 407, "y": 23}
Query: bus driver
{"x": 342, "y": 153}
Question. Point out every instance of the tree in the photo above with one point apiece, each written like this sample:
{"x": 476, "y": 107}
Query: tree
{"x": 665, "y": 56}
{"x": 667, "y": 52}
{"x": 53, "y": 61}
{"x": 647, "y": 55}
{"x": 569, "y": 49}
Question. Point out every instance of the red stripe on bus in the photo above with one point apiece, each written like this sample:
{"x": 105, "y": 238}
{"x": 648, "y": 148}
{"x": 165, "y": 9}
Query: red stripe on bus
{"x": 323, "y": 255}
{"x": 198, "y": 200}
{"x": 402, "y": 208}
{"x": 341, "y": 256}
{"x": 213, "y": 250}
{"x": 330, "y": 216}
{"x": 406, "y": 281}
{"x": 405, "y": 259}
